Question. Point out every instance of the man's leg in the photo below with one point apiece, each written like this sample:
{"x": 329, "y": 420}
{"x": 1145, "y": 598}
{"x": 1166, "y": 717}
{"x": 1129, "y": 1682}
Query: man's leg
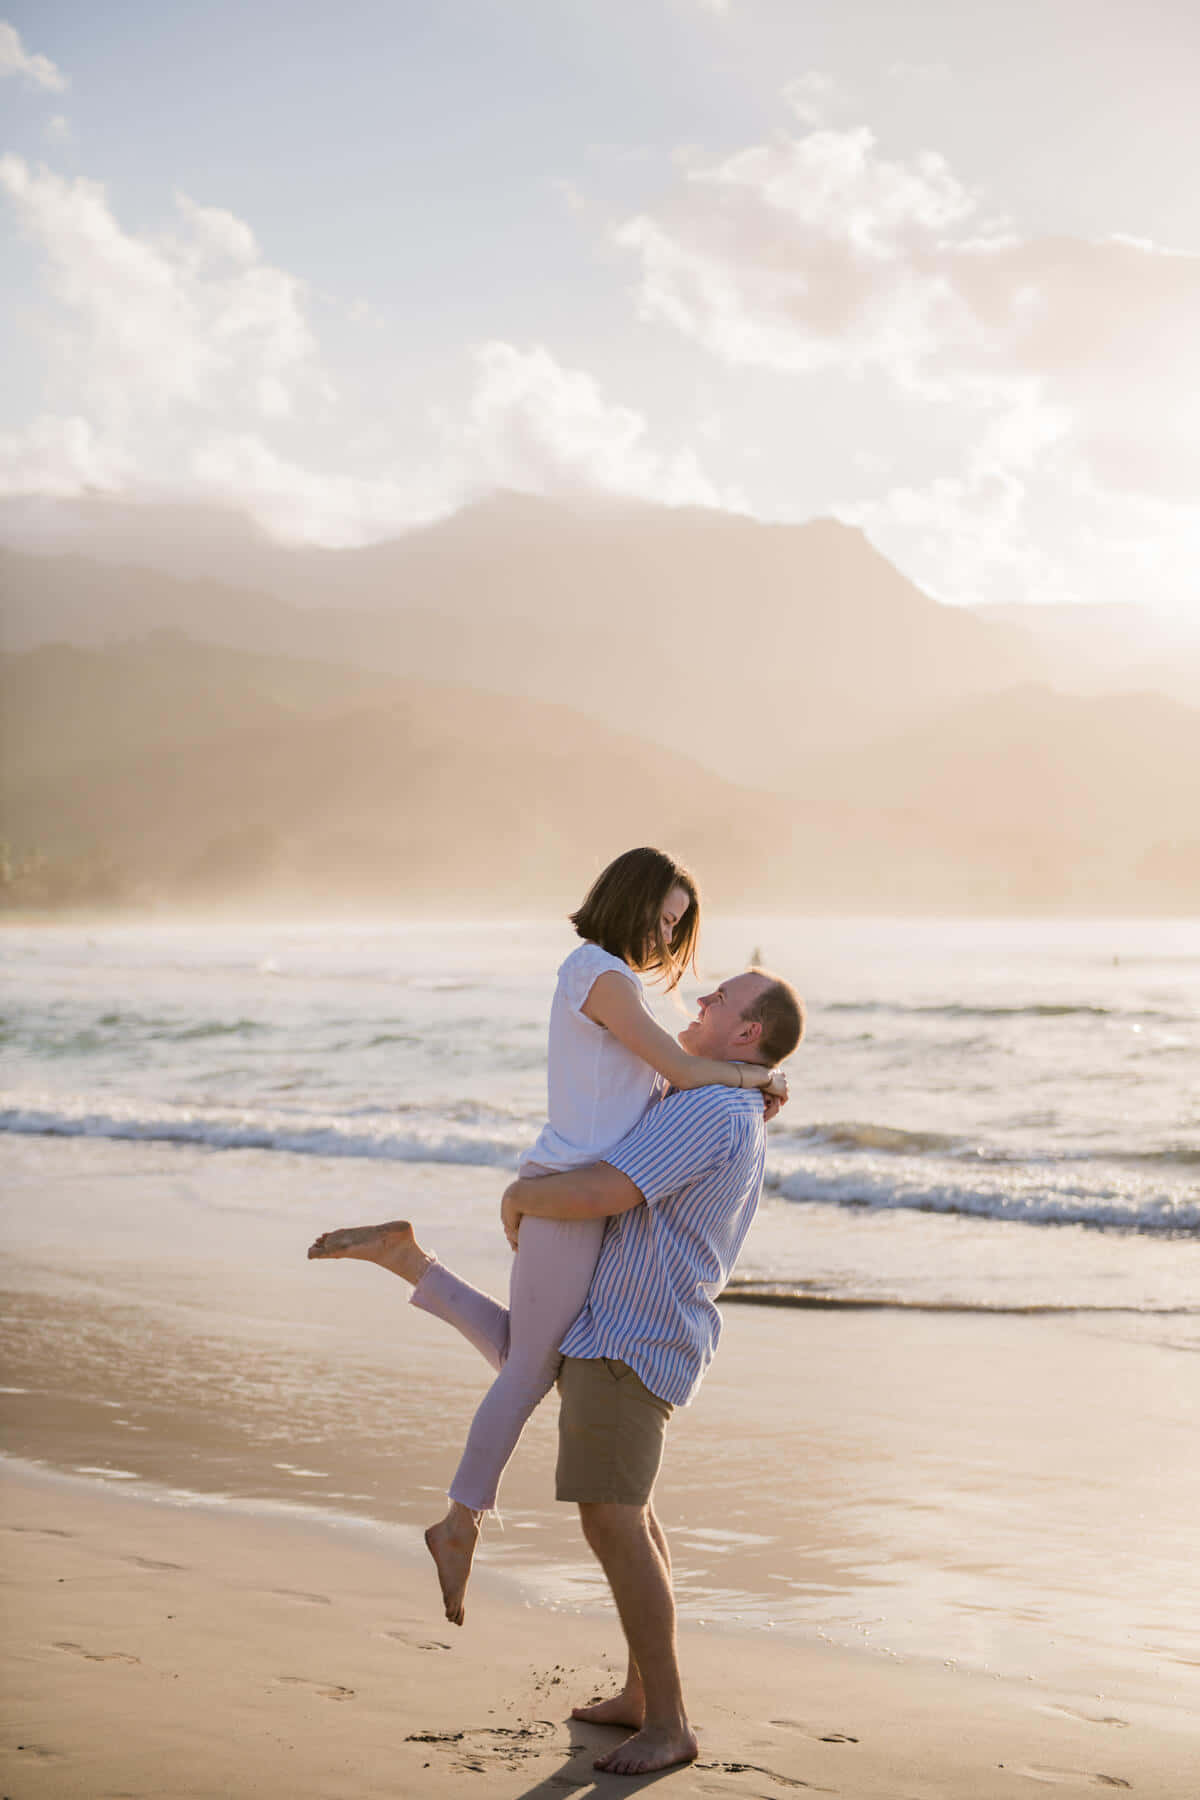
{"x": 627, "y": 1545}
{"x": 629, "y": 1706}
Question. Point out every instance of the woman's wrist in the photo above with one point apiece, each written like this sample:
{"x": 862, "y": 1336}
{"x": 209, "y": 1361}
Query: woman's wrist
{"x": 747, "y": 1073}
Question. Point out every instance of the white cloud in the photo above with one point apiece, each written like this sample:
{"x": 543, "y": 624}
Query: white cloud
{"x": 38, "y": 71}
{"x": 1043, "y": 367}
{"x": 192, "y": 319}
{"x": 217, "y": 233}
{"x": 300, "y": 504}
{"x": 58, "y": 129}
{"x": 184, "y": 364}
{"x": 537, "y": 426}
{"x": 570, "y": 194}
{"x": 818, "y": 251}
{"x": 529, "y": 424}
{"x": 173, "y": 352}
{"x": 807, "y": 253}
{"x": 815, "y": 98}
{"x": 361, "y": 312}
{"x": 59, "y": 456}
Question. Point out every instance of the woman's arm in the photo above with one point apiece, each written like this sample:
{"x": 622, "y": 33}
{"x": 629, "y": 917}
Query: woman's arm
{"x": 613, "y": 1002}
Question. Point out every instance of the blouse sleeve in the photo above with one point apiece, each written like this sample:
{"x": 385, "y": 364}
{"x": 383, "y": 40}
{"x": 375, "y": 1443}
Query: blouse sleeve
{"x": 578, "y": 974}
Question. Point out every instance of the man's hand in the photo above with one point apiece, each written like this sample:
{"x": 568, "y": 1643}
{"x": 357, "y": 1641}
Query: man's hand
{"x": 510, "y": 1215}
{"x": 595, "y": 1191}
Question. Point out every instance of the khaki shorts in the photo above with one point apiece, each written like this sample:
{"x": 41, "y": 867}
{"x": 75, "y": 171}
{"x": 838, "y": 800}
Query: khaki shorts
{"x": 611, "y": 1430}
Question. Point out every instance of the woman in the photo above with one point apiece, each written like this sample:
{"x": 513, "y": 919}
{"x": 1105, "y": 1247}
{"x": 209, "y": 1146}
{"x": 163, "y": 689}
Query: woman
{"x": 607, "y": 1058}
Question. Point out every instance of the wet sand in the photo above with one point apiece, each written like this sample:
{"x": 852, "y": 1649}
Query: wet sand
{"x": 154, "y": 1652}
{"x": 932, "y": 1555}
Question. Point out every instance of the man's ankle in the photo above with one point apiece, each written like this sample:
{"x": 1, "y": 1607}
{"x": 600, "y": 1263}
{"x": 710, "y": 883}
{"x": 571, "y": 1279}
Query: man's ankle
{"x": 669, "y": 1715}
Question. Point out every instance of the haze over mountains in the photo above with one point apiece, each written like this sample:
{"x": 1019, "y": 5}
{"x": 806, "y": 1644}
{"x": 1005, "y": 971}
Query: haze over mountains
{"x": 205, "y": 772}
{"x": 627, "y": 614}
{"x": 486, "y": 707}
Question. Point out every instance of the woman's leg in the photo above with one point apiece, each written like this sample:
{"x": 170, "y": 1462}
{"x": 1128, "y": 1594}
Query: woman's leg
{"x": 551, "y": 1276}
{"x": 482, "y": 1320}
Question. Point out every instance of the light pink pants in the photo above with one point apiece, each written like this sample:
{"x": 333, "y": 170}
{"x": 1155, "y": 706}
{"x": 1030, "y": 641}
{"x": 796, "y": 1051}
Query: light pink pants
{"x": 551, "y": 1274}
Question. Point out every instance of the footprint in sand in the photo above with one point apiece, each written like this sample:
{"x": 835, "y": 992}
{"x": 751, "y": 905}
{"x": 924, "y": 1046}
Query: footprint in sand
{"x": 149, "y": 1562}
{"x": 40, "y": 1530}
{"x": 510, "y": 1745}
{"x": 810, "y": 1731}
{"x": 417, "y": 1643}
{"x": 1069, "y": 1712}
{"x": 40, "y": 1751}
{"x": 742, "y": 1768}
{"x": 299, "y": 1594}
{"x": 327, "y": 1692}
{"x": 1061, "y": 1777}
{"x": 96, "y": 1655}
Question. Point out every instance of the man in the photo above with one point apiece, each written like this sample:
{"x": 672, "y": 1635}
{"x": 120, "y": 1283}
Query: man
{"x": 680, "y": 1193}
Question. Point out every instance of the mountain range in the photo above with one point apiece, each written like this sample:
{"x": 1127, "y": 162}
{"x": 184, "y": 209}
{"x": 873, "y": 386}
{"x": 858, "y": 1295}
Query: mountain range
{"x": 196, "y": 773}
{"x": 483, "y": 708}
{"x": 638, "y": 616}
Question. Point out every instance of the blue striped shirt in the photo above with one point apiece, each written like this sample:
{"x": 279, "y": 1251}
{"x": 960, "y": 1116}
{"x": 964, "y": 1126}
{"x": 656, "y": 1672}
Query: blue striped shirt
{"x": 698, "y": 1160}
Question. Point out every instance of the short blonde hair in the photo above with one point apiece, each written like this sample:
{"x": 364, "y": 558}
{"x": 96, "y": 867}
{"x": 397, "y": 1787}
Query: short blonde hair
{"x": 780, "y": 1011}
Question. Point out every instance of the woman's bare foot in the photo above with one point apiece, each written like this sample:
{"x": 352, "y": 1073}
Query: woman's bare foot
{"x": 654, "y": 1747}
{"x": 627, "y": 1708}
{"x": 452, "y": 1544}
{"x": 392, "y": 1246}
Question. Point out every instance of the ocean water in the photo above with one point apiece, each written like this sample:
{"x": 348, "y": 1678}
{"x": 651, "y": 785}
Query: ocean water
{"x": 1038, "y": 1074}
{"x": 986, "y": 1119}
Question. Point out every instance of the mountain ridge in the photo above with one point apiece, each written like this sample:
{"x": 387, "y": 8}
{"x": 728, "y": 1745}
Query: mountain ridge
{"x": 617, "y": 613}
{"x": 205, "y": 774}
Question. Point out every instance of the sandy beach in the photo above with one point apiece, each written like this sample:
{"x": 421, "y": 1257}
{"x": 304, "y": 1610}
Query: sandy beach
{"x": 153, "y": 1652}
{"x": 917, "y": 1553}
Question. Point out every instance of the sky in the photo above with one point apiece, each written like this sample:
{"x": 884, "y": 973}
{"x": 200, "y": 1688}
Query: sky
{"x": 932, "y": 268}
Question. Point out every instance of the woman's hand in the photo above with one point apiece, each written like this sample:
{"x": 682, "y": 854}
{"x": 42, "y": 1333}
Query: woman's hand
{"x": 510, "y": 1215}
{"x": 775, "y": 1095}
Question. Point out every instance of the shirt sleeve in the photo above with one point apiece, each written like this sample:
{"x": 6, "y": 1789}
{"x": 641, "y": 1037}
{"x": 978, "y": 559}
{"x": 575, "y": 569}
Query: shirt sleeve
{"x": 676, "y": 1142}
{"x": 578, "y": 974}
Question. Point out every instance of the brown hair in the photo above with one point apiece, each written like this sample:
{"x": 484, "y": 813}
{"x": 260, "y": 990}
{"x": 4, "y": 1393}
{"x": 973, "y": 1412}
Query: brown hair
{"x": 622, "y": 912}
{"x": 780, "y": 1011}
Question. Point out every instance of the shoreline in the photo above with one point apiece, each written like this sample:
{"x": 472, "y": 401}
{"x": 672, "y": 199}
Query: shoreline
{"x": 153, "y": 1651}
{"x": 275, "y": 914}
{"x": 937, "y": 1483}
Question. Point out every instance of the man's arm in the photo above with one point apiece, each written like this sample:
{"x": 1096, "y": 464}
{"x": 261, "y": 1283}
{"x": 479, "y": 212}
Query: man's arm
{"x": 593, "y": 1192}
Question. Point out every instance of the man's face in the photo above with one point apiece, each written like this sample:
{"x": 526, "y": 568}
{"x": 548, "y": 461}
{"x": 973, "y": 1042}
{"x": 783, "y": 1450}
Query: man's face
{"x": 719, "y": 1029}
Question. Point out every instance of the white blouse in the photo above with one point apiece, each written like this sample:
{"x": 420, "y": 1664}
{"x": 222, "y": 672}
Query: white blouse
{"x": 597, "y": 1089}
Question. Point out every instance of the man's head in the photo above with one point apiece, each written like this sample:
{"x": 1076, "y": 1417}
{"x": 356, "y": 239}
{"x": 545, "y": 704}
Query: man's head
{"x": 752, "y": 1017}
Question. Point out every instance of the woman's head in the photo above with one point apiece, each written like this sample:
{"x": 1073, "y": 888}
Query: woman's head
{"x": 645, "y": 909}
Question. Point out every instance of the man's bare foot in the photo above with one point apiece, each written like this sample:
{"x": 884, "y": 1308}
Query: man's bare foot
{"x": 392, "y": 1246}
{"x": 452, "y": 1544}
{"x": 627, "y": 1708}
{"x": 654, "y": 1747}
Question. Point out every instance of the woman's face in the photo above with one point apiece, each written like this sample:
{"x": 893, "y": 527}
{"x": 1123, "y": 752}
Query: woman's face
{"x": 673, "y": 909}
